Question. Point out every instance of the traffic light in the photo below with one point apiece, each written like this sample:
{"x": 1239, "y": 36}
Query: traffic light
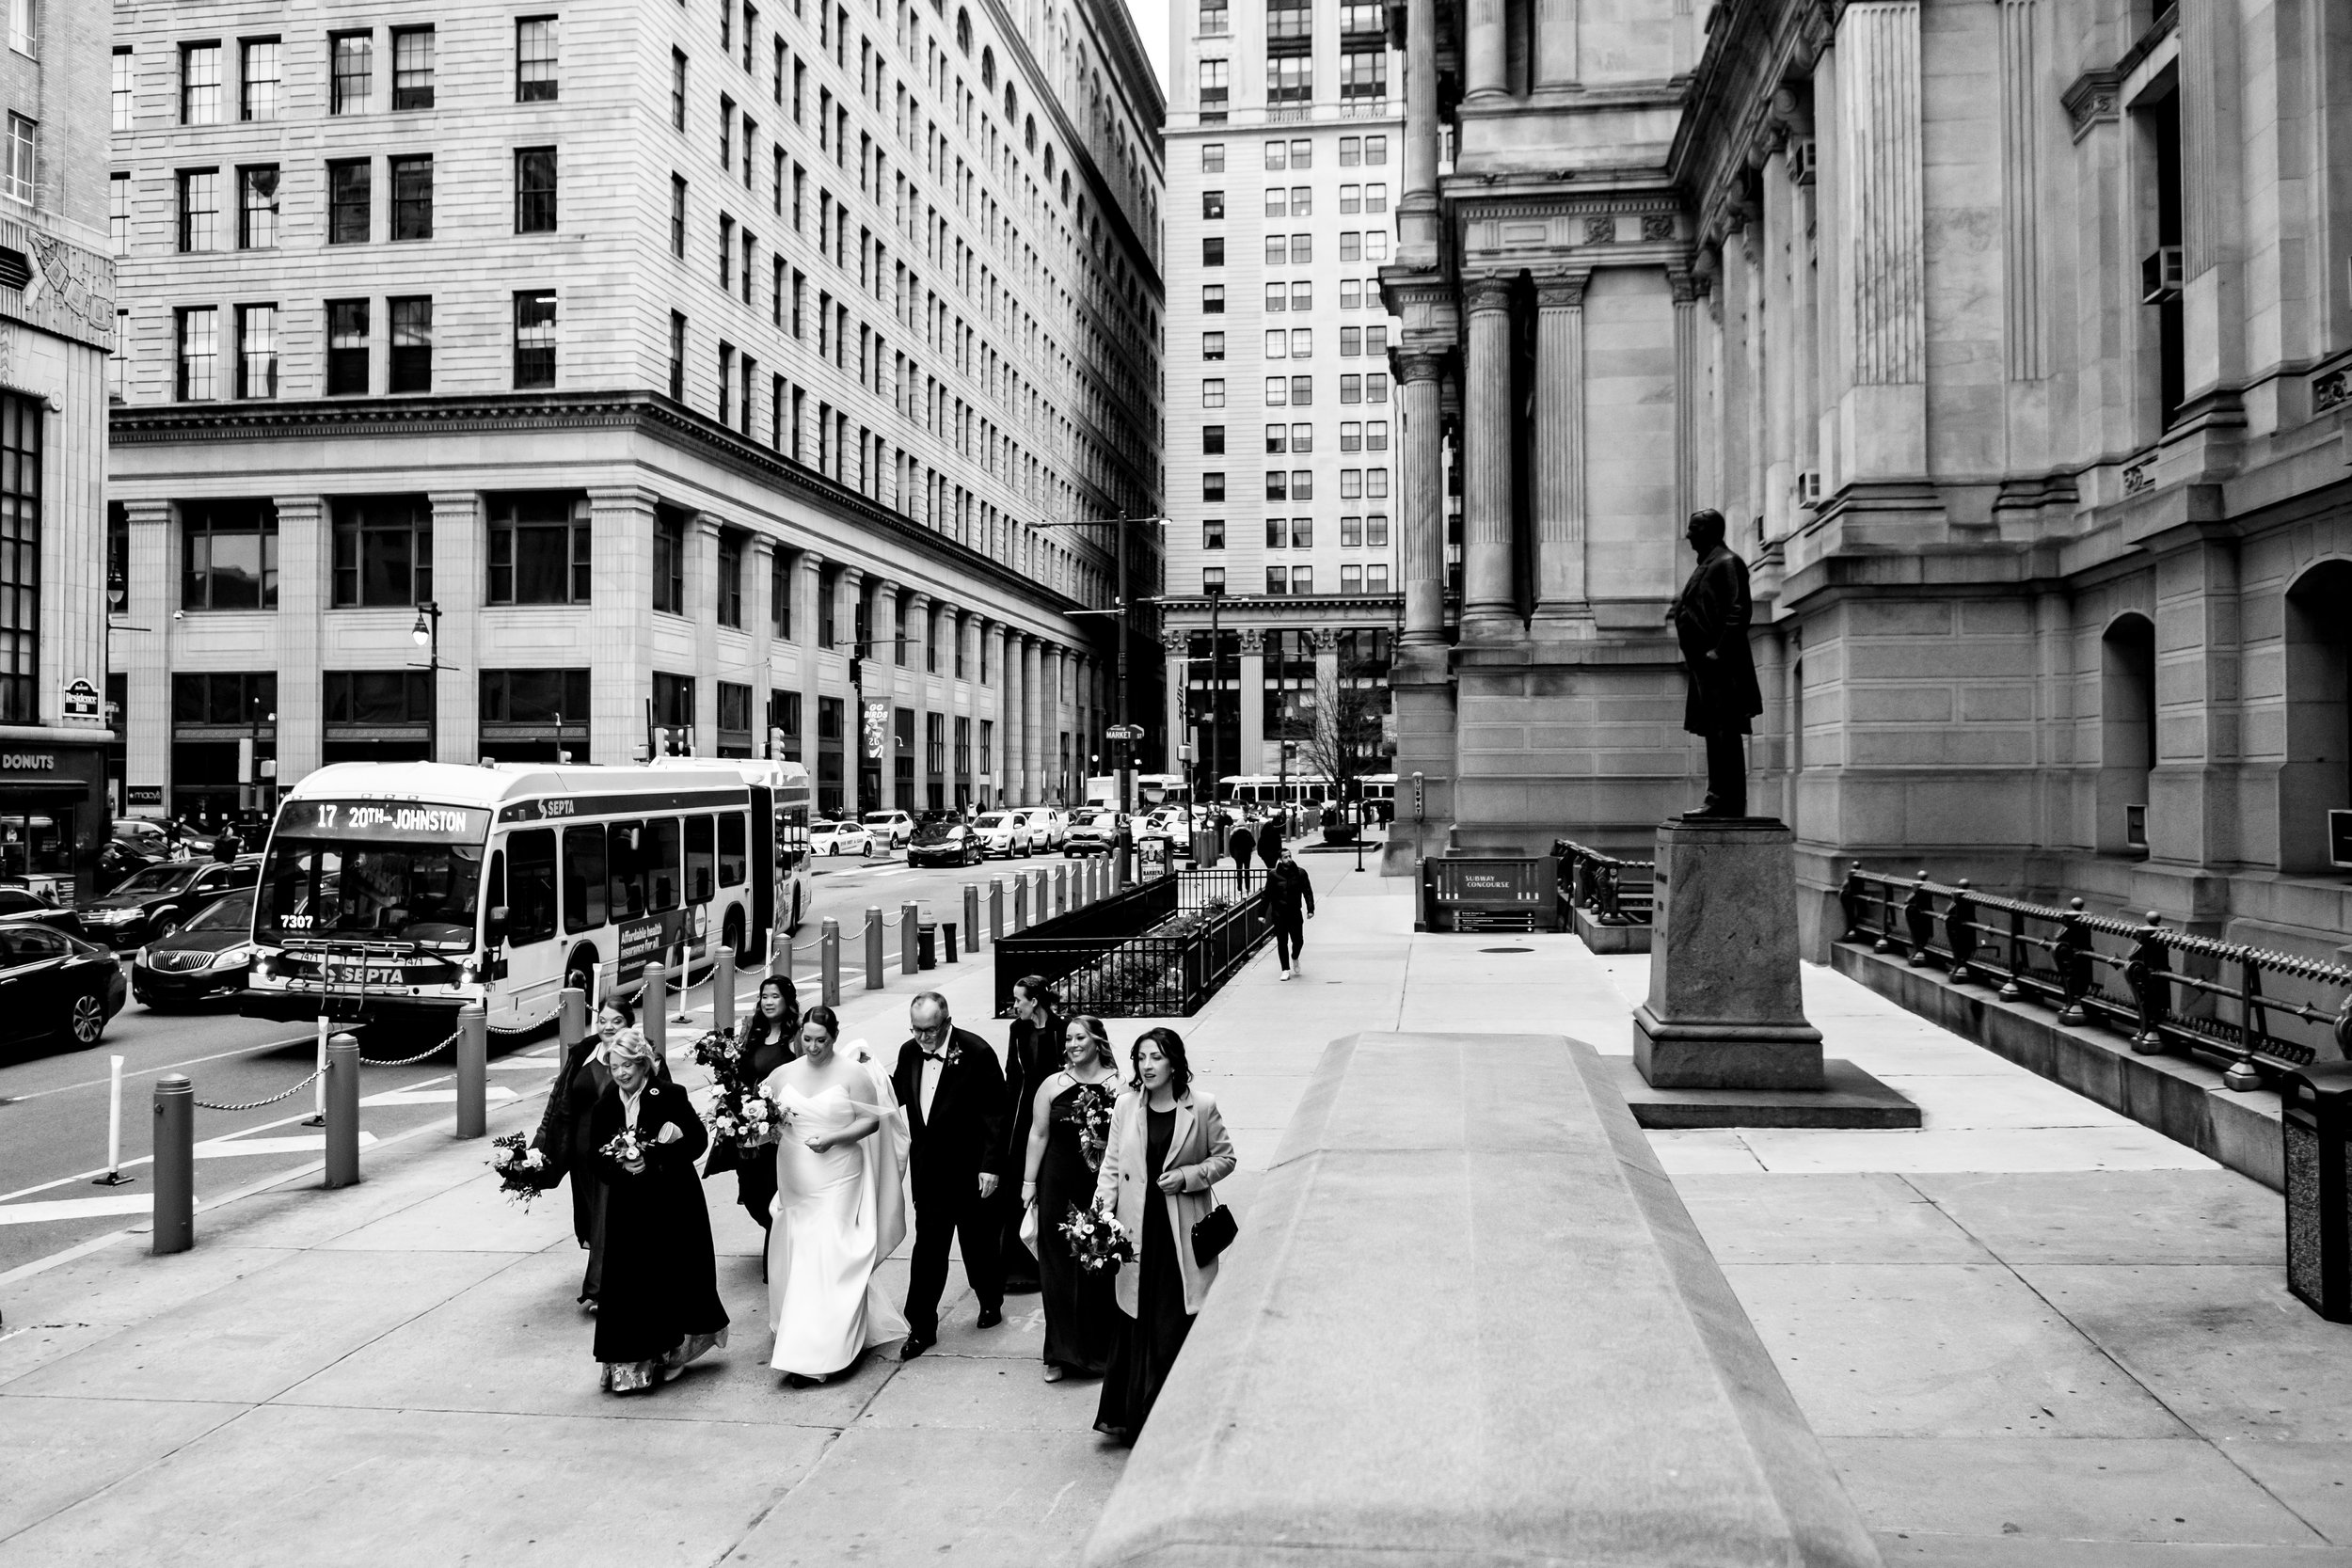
{"x": 660, "y": 742}
{"x": 776, "y": 743}
{"x": 857, "y": 674}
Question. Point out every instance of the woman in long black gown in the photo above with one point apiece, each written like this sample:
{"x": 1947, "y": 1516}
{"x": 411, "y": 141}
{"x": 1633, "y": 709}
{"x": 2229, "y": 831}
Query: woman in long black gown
{"x": 1167, "y": 1151}
{"x": 767, "y": 1040}
{"x": 659, "y": 1307}
{"x": 562, "y": 1135}
{"x": 1069, "y": 1120}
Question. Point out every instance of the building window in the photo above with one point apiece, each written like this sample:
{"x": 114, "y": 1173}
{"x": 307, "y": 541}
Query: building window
{"x": 1363, "y": 73}
{"x": 354, "y": 57}
{"x": 1213, "y": 533}
{"x": 669, "y": 562}
{"x": 678, "y": 217}
{"x": 412, "y": 68}
{"x": 1278, "y": 579}
{"x": 125, "y": 95}
{"x": 349, "y": 195}
{"x": 383, "y": 551}
{"x": 727, "y": 253}
{"x": 1377, "y": 530}
{"x": 412, "y": 197}
{"x": 1377, "y": 578}
{"x": 346, "y": 347}
{"x": 1215, "y": 91}
{"x": 20, "y": 558}
{"x": 198, "y": 353}
{"x": 678, "y": 90}
{"x": 1276, "y": 488}
{"x": 118, "y": 361}
{"x": 1351, "y": 390}
{"x": 1213, "y": 252}
{"x": 534, "y": 190}
{"x": 726, "y": 383}
{"x": 780, "y": 596}
{"x": 677, "y": 358}
{"x": 1351, "y": 579}
{"x": 258, "y": 79}
{"x": 256, "y": 208}
{"x": 412, "y": 345}
{"x": 257, "y": 351}
{"x": 1213, "y": 299}
{"x": 1351, "y": 433}
{"x": 1277, "y": 391}
{"x": 228, "y": 555}
{"x": 534, "y": 702}
{"x": 1212, "y": 205}
{"x": 1216, "y": 19}
{"x": 1213, "y": 345}
{"x": 1213, "y": 157}
{"x": 535, "y": 338}
{"x": 1290, "y": 78}
{"x": 539, "y": 548}
{"x": 1212, "y": 579}
{"x": 1212, "y": 487}
{"x": 534, "y": 60}
{"x": 119, "y": 213}
{"x": 1302, "y": 390}
{"x": 726, "y": 132}
{"x": 1212, "y": 392}
{"x": 1212, "y": 439}
{"x": 23, "y": 160}
{"x": 199, "y": 84}
{"x": 200, "y": 209}
{"x": 731, "y": 588}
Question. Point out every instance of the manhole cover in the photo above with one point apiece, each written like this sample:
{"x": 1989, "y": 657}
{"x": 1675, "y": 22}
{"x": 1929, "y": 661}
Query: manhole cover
{"x": 1507, "y": 950}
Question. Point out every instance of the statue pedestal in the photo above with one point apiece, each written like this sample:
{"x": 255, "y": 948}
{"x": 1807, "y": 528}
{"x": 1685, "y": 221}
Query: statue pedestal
{"x": 1724, "y": 1011}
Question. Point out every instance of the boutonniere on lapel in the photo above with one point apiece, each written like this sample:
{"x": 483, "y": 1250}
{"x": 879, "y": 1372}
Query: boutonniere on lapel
{"x": 950, "y": 1056}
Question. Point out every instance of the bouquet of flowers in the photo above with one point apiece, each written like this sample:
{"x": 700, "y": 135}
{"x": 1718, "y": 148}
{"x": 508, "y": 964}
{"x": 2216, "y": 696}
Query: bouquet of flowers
{"x": 523, "y": 1172}
{"x": 1098, "y": 1241}
{"x": 1092, "y": 1112}
{"x": 624, "y": 1147}
{"x": 740, "y": 1114}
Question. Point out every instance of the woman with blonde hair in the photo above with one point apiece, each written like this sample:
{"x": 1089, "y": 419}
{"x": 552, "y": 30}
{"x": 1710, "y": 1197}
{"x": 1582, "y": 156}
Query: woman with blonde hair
{"x": 1069, "y": 1127}
{"x": 658, "y": 1306}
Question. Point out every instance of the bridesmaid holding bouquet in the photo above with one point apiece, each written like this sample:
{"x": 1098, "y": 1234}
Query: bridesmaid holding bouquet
{"x": 1069, "y": 1125}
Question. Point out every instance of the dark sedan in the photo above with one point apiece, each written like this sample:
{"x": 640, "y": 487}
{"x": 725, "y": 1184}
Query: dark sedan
{"x": 210, "y": 956}
{"x": 21, "y": 906}
{"x": 945, "y": 844}
{"x": 51, "y": 982}
{"x": 154, "y": 899}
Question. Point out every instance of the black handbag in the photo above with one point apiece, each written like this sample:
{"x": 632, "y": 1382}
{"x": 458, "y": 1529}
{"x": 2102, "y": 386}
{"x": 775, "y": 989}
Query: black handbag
{"x": 1212, "y": 1233}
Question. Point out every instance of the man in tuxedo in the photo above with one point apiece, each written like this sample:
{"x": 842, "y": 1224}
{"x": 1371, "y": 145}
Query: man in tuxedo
{"x": 954, "y": 1094}
{"x": 1033, "y": 1053}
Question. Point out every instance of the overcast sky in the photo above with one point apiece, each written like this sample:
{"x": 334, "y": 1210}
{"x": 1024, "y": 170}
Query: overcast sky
{"x": 1151, "y": 21}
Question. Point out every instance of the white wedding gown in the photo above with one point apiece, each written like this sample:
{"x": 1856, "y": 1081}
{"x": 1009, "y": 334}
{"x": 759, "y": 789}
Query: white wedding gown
{"x": 837, "y": 1215}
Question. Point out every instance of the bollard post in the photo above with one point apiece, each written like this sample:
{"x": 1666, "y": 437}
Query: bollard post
{"x": 972, "y": 915}
{"x": 780, "y": 953}
{"x": 947, "y": 935}
{"x": 343, "y": 1112}
{"x": 873, "y": 947}
{"x": 651, "y": 998}
{"x": 175, "y": 1164}
{"x": 473, "y": 1071}
{"x": 318, "y": 1106}
{"x": 910, "y": 916}
{"x": 829, "y": 962}
{"x": 723, "y": 989}
{"x": 1061, "y": 889}
{"x": 114, "y": 1177}
{"x": 996, "y": 910}
{"x": 571, "y": 1026}
{"x": 1020, "y": 903}
{"x": 685, "y": 972}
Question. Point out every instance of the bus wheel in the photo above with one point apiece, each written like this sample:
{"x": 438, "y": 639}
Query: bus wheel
{"x": 732, "y": 934}
{"x": 579, "y": 974}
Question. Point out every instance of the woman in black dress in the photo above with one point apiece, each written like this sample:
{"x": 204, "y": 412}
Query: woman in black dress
{"x": 659, "y": 1307}
{"x": 1167, "y": 1151}
{"x": 767, "y": 1040}
{"x": 562, "y": 1134}
{"x": 1068, "y": 1129}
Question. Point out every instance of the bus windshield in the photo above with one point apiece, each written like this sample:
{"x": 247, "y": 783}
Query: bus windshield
{"x": 325, "y": 890}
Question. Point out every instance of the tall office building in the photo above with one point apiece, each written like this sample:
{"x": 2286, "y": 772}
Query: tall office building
{"x": 57, "y": 324}
{"x": 598, "y": 376}
{"x": 1284, "y": 158}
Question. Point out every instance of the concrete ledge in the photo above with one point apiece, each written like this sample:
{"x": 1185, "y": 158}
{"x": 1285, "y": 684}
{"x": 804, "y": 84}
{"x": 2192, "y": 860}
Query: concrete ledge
{"x": 2183, "y": 1100}
{"x": 1849, "y": 1097}
{"x": 1469, "y": 1323}
{"x": 1609, "y": 939}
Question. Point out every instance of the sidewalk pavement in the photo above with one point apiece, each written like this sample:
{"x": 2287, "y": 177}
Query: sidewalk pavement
{"x": 2029, "y": 1332}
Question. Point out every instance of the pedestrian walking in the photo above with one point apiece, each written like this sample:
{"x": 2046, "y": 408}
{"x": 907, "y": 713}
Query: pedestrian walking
{"x": 953, "y": 1091}
{"x": 1033, "y": 1050}
{"x": 1069, "y": 1131}
{"x": 1165, "y": 1153}
{"x": 1270, "y": 842}
{"x": 769, "y": 1039}
{"x": 1291, "y": 895}
{"x": 1241, "y": 845}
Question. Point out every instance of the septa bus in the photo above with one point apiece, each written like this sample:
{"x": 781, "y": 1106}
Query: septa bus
{"x": 404, "y": 890}
{"x": 1153, "y": 791}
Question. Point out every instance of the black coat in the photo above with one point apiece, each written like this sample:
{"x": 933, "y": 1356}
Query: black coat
{"x": 1710, "y": 617}
{"x": 964, "y": 1135}
{"x": 1290, "y": 891}
{"x": 660, "y": 1279}
{"x": 1241, "y": 843}
{"x": 1270, "y": 845}
{"x": 1032, "y": 1054}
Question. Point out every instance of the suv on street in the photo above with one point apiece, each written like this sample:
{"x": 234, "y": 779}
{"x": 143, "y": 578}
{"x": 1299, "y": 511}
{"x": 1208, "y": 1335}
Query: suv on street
{"x": 1003, "y": 833}
{"x": 156, "y": 897}
{"x": 891, "y": 829}
{"x": 1094, "y": 831}
{"x": 1047, "y": 827}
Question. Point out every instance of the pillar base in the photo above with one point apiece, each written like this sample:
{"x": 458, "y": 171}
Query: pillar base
{"x": 1726, "y": 1055}
{"x": 1500, "y": 625}
{"x": 1563, "y": 622}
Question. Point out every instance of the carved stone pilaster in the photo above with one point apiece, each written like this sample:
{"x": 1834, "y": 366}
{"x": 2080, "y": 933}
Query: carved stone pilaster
{"x": 2090, "y": 100}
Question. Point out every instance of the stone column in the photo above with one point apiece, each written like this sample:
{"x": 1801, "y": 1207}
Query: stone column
{"x": 883, "y": 683}
{"x": 918, "y": 657}
{"x": 1252, "y": 747}
{"x": 154, "y": 592}
{"x": 1562, "y": 607}
{"x": 1417, "y": 204}
{"x": 461, "y": 555}
{"x": 1489, "y": 611}
{"x": 760, "y": 562}
{"x": 1882, "y": 416}
{"x": 1001, "y": 657}
{"x": 1487, "y": 52}
{"x": 1032, "y": 723}
{"x": 1423, "y": 522}
{"x": 702, "y": 614}
{"x": 305, "y": 588}
{"x": 807, "y": 584}
{"x": 1687, "y": 379}
{"x": 620, "y": 641}
{"x": 851, "y": 587}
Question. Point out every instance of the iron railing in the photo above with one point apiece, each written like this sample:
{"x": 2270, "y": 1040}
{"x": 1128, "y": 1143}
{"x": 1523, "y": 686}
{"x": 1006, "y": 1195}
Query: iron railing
{"x": 1610, "y": 890}
{"x": 1160, "y": 950}
{"x": 2166, "y": 990}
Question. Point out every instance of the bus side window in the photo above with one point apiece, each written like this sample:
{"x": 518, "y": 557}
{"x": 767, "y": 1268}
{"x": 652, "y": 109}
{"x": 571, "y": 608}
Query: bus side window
{"x": 531, "y": 886}
{"x": 583, "y": 879}
{"x": 493, "y": 885}
{"x": 625, "y": 849}
{"x": 657, "y": 864}
{"x": 699, "y": 860}
{"x": 733, "y": 835}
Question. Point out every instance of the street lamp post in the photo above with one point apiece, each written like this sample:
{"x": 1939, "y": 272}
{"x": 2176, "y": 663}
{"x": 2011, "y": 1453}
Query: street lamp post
{"x": 426, "y": 634}
{"x": 1216, "y": 685}
{"x": 1124, "y": 733}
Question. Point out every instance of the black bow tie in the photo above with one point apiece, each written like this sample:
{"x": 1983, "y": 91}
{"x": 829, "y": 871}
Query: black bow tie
{"x": 939, "y": 1055}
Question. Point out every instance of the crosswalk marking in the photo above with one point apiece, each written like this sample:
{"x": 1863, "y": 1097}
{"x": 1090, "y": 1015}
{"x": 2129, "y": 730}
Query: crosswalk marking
{"x": 434, "y": 1097}
{"x": 315, "y": 1142}
{"x": 76, "y": 1209}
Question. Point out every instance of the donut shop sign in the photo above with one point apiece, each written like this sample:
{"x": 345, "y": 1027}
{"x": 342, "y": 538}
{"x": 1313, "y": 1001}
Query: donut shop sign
{"x": 28, "y": 762}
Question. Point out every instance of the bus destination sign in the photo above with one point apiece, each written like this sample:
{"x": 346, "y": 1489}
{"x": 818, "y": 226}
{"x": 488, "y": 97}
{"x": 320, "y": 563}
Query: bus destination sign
{"x": 383, "y": 821}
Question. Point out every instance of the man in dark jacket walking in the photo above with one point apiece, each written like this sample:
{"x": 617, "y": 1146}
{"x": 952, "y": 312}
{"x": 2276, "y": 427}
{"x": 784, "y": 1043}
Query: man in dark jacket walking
{"x": 1241, "y": 843}
{"x": 1710, "y": 620}
{"x": 1291, "y": 897}
{"x": 954, "y": 1093}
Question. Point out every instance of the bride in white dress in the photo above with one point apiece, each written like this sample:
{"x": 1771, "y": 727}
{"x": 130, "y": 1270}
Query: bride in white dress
{"x": 840, "y": 1206}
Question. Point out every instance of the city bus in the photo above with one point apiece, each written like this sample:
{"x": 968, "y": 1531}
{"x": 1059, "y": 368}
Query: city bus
{"x": 790, "y": 796}
{"x": 1153, "y": 791}
{"x": 401, "y": 891}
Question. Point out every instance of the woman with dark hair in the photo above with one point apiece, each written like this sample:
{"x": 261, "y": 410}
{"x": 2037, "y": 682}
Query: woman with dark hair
{"x": 1033, "y": 1048}
{"x": 769, "y": 1039}
{"x": 562, "y": 1135}
{"x": 1070, "y": 1124}
{"x": 659, "y": 1307}
{"x": 1165, "y": 1153}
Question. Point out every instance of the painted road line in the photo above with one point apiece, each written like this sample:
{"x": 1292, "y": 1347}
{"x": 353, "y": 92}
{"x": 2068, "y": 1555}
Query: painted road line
{"x": 76, "y": 1209}
{"x": 151, "y": 1071}
{"x": 222, "y": 1148}
{"x": 498, "y": 1093}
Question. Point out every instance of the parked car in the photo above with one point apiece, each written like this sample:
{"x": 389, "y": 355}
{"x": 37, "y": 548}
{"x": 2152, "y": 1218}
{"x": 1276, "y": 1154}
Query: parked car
{"x": 1048, "y": 826}
{"x": 890, "y": 829}
{"x": 51, "y": 982}
{"x": 946, "y": 844}
{"x": 153, "y": 899}
{"x": 1004, "y": 832}
{"x": 1094, "y": 831}
{"x": 210, "y": 956}
{"x": 21, "y": 906}
{"x": 839, "y": 838}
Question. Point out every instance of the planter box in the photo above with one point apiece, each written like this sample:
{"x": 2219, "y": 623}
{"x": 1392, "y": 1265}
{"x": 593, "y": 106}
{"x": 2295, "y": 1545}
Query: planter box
{"x": 1116, "y": 959}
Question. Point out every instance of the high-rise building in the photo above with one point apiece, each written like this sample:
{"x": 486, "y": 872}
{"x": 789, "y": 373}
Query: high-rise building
{"x": 608, "y": 375}
{"x": 1284, "y": 160}
{"x": 56, "y": 325}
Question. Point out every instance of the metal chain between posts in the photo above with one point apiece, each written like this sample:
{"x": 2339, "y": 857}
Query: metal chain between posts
{"x": 411, "y": 1061}
{"x": 257, "y": 1104}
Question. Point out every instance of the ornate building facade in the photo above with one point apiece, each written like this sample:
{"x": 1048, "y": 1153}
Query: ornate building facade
{"x": 2014, "y": 341}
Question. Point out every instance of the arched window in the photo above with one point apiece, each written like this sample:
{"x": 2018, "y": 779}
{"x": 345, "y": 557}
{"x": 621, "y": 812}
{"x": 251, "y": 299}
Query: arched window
{"x": 1028, "y": 132}
{"x": 988, "y": 70}
{"x": 2127, "y": 732}
{"x": 1049, "y": 160}
{"x": 1012, "y": 111}
{"x": 1065, "y": 190}
{"x": 963, "y": 32}
{"x": 2316, "y": 776}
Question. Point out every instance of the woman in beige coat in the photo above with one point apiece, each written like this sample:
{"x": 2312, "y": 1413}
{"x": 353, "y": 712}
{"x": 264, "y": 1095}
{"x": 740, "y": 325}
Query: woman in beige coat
{"x": 1166, "y": 1151}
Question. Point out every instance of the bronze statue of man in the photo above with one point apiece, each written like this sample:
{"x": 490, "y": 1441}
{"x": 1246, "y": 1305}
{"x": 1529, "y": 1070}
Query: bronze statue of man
{"x": 1710, "y": 621}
